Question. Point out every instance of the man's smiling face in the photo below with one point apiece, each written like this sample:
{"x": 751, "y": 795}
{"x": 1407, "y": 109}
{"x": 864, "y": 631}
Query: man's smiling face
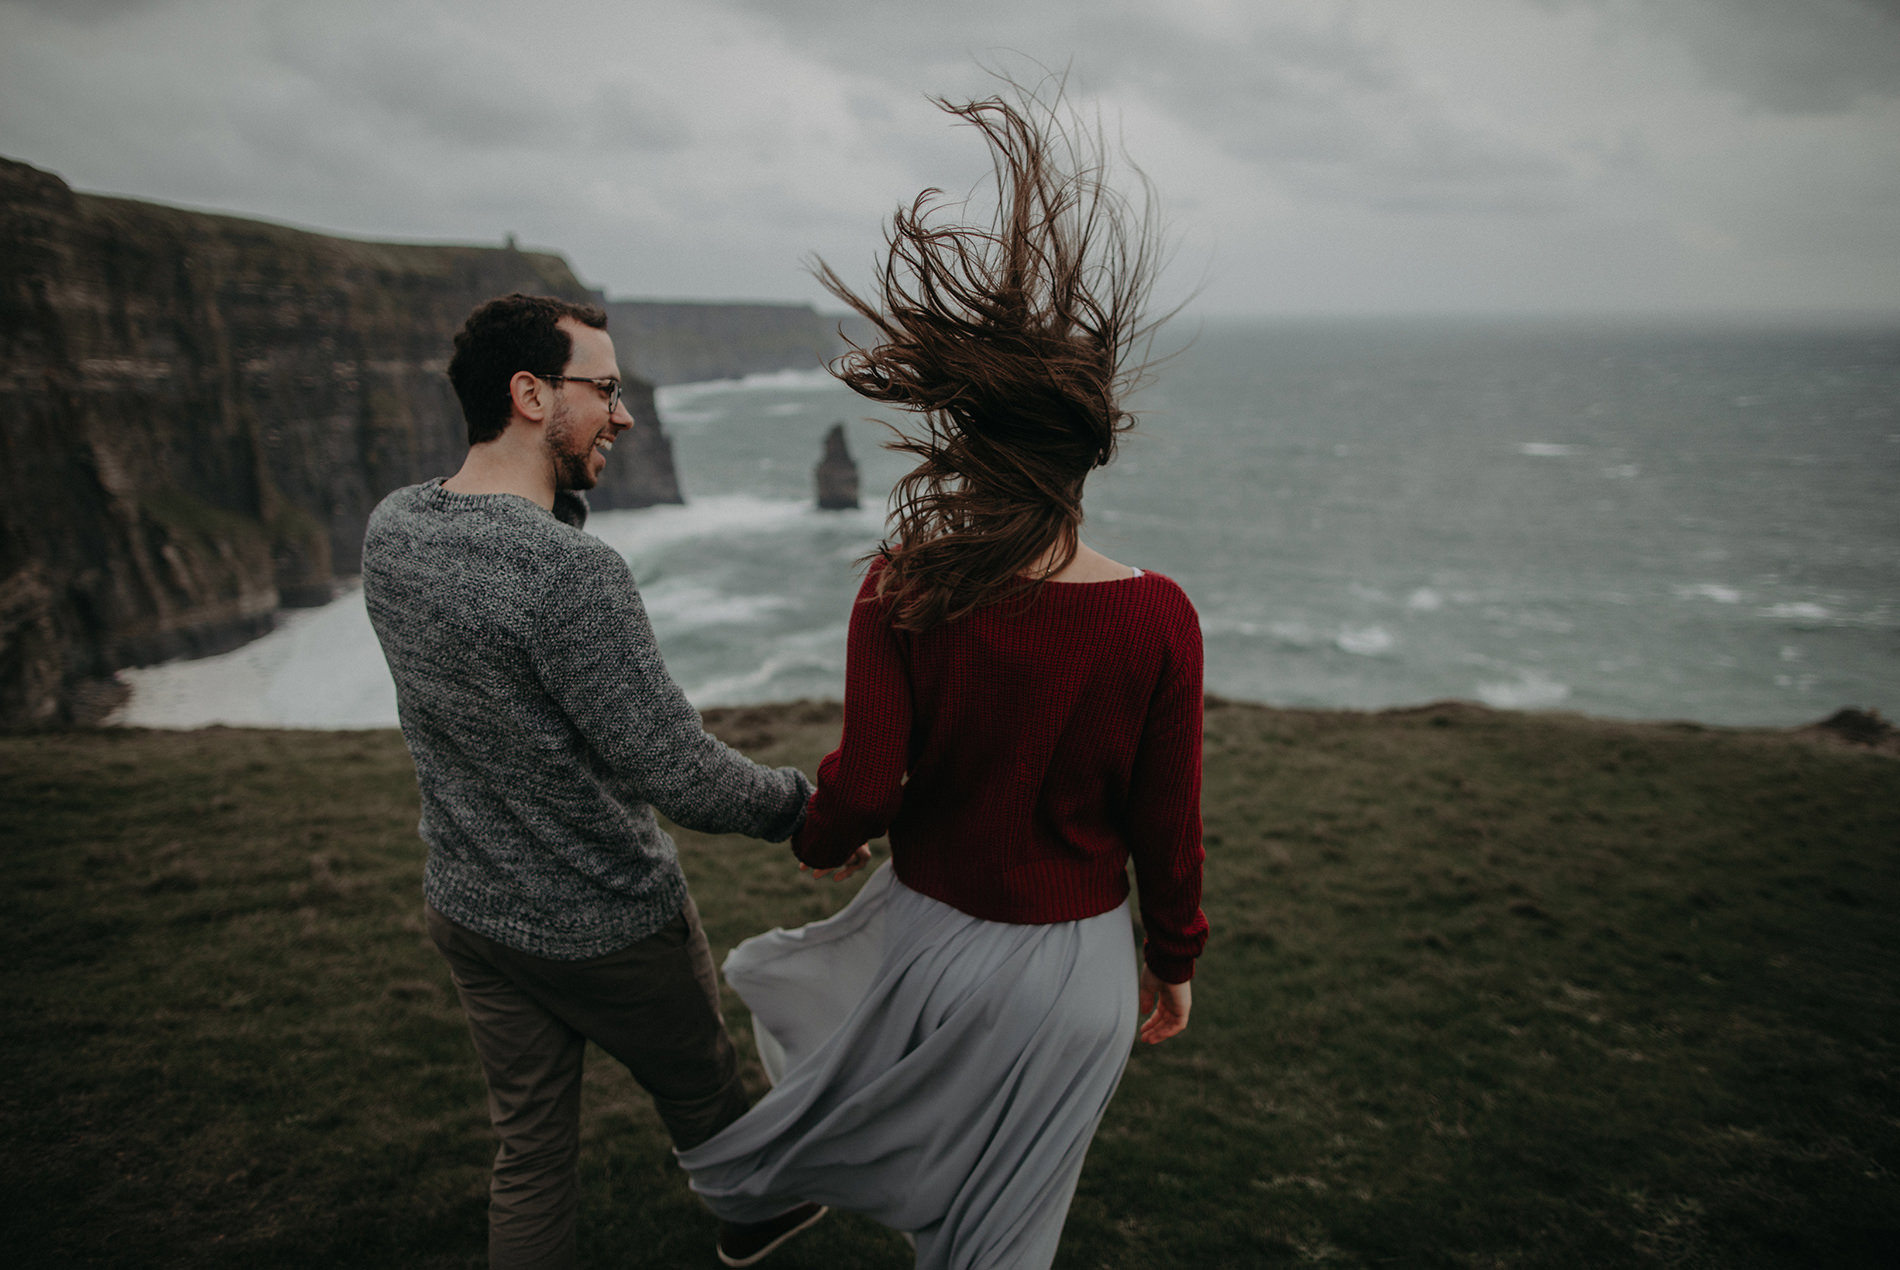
{"x": 580, "y": 431}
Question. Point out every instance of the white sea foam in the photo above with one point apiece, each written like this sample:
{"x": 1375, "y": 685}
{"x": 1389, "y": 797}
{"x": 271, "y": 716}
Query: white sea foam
{"x": 1364, "y": 641}
{"x": 1295, "y": 634}
{"x": 750, "y": 685}
{"x": 1289, "y": 633}
{"x": 1546, "y": 449}
{"x": 672, "y": 396}
{"x": 639, "y": 532}
{"x": 1709, "y": 591}
{"x": 1531, "y": 690}
{"x": 691, "y": 603}
{"x": 321, "y": 668}
{"x": 1424, "y": 600}
{"x": 1532, "y": 620}
{"x": 1800, "y": 611}
{"x": 821, "y": 650}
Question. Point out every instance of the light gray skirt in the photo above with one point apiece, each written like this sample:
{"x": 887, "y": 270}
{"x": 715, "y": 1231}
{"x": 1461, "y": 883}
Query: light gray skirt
{"x": 939, "y": 1073}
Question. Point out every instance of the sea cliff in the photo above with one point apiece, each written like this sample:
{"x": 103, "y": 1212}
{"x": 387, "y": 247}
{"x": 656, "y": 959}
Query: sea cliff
{"x": 197, "y": 413}
{"x": 681, "y": 342}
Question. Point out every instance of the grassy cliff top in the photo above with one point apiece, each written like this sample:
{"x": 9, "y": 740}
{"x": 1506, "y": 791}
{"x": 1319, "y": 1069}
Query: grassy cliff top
{"x": 1483, "y": 989}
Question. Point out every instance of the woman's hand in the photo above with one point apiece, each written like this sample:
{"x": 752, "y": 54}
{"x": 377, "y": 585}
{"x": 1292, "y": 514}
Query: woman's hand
{"x": 1165, "y": 1004}
{"x": 859, "y": 858}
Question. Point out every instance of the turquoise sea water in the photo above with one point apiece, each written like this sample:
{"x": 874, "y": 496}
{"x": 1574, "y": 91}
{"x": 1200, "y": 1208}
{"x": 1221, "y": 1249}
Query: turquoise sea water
{"x": 1634, "y": 521}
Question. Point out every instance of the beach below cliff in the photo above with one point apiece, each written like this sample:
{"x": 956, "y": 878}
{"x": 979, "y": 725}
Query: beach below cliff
{"x": 1484, "y": 988}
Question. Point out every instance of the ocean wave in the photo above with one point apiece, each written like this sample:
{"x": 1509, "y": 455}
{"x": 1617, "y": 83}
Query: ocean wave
{"x": 1296, "y": 635}
{"x": 674, "y": 395}
{"x": 1531, "y": 690}
{"x": 1708, "y": 591}
{"x": 1531, "y": 620}
{"x": 1365, "y": 641}
{"x": 820, "y": 651}
{"x": 688, "y": 603}
{"x": 321, "y": 668}
{"x": 1292, "y": 633}
{"x": 1547, "y": 449}
{"x": 715, "y": 516}
{"x": 1799, "y": 611}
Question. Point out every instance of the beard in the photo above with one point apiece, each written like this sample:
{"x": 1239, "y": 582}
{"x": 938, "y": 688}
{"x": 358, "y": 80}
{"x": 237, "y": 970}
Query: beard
{"x": 570, "y": 449}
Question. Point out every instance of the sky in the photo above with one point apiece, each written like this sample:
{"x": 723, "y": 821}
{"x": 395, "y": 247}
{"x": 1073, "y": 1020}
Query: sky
{"x": 1311, "y": 157}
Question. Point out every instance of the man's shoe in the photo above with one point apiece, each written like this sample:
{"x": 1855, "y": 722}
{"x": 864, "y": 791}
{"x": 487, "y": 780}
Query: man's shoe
{"x": 749, "y": 1243}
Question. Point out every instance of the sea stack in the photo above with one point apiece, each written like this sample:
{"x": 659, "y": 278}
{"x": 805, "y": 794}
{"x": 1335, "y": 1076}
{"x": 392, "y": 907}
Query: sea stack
{"x": 837, "y": 474}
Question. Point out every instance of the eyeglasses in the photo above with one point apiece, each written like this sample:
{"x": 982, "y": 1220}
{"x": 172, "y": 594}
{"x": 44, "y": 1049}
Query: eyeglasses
{"x": 611, "y": 387}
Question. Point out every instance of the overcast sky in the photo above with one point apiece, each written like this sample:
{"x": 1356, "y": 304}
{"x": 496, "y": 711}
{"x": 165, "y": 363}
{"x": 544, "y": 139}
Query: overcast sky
{"x": 1313, "y": 156}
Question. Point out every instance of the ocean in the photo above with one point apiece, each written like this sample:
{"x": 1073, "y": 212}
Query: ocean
{"x": 1642, "y": 521}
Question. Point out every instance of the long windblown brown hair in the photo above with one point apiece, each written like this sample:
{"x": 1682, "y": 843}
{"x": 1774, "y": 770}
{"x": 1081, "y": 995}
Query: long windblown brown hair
{"x": 1012, "y": 343}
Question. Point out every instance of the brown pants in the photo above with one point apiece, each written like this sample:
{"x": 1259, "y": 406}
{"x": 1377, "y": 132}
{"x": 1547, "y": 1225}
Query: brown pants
{"x": 654, "y": 1006}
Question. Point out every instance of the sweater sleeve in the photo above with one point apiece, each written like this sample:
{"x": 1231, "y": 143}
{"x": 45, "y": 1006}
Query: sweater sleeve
{"x": 594, "y": 652}
{"x": 1164, "y": 830}
{"x": 861, "y": 783}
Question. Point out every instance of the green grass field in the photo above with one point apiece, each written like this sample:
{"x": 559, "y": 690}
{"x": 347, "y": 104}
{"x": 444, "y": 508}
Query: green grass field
{"x": 1484, "y": 989}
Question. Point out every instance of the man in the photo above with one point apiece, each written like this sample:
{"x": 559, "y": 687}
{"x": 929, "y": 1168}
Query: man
{"x": 545, "y": 731}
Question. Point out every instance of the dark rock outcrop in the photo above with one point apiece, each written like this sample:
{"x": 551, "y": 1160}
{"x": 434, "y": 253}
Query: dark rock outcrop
{"x": 198, "y": 412}
{"x": 1862, "y": 728}
{"x": 836, "y": 473}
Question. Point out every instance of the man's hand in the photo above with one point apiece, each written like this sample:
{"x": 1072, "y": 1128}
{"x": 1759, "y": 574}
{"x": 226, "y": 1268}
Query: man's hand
{"x": 1165, "y": 1004}
{"x": 859, "y": 858}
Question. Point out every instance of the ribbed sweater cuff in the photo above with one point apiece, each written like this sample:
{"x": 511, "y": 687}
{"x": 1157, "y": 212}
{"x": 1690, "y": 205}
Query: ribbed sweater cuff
{"x": 1168, "y": 969}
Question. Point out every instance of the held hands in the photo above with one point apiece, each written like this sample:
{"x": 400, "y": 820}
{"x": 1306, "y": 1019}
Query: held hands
{"x": 859, "y": 858}
{"x": 1165, "y": 1004}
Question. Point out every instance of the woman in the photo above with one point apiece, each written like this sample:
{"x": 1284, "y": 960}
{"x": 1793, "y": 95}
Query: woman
{"x": 1022, "y": 718}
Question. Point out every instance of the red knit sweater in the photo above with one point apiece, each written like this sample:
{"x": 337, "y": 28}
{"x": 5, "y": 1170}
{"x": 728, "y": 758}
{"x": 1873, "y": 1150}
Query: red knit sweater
{"x": 1019, "y": 756}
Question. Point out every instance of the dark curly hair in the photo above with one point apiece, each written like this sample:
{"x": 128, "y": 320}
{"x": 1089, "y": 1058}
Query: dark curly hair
{"x": 506, "y": 335}
{"x": 1011, "y": 343}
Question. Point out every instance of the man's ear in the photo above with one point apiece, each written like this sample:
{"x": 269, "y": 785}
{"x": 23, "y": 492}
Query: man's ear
{"x": 530, "y": 396}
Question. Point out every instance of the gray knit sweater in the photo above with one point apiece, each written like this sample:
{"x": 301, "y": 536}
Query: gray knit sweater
{"x": 544, "y": 726}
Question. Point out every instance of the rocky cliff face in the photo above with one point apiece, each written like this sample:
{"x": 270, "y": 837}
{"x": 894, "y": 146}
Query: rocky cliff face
{"x": 197, "y": 414}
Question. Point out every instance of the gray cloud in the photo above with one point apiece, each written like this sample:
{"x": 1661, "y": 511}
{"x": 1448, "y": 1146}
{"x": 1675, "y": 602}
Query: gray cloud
{"x": 81, "y": 12}
{"x": 1323, "y": 109}
{"x": 1792, "y": 56}
{"x": 439, "y": 83}
{"x": 1815, "y": 55}
{"x": 1318, "y": 155}
{"x": 1330, "y": 113}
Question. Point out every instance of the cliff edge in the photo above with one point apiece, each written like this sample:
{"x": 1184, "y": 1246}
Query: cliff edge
{"x": 197, "y": 413}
